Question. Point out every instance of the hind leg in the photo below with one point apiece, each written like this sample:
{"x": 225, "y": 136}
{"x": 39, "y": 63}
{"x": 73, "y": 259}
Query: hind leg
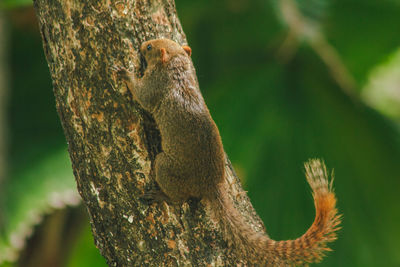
{"x": 170, "y": 179}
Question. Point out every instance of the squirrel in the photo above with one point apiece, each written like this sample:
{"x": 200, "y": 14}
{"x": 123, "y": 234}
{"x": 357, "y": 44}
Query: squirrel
{"x": 192, "y": 161}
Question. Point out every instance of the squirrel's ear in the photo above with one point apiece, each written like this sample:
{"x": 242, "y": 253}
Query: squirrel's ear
{"x": 187, "y": 49}
{"x": 163, "y": 55}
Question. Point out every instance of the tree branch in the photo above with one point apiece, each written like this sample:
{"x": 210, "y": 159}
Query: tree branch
{"x": 112, "y": 141}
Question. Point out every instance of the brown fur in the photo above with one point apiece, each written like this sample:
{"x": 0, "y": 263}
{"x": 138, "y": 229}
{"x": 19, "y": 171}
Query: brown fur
{"x": 192, "y": 160}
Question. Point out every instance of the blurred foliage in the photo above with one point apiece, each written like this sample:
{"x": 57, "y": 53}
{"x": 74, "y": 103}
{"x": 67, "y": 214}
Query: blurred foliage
{"x": 273, "y": 111}
{"x": 40, "y": 172}
{"x": 364, "y": 32}
{"x": 14, "y": 3}
{"x": 85, "y": 253}
{"x": 383, "y": 88}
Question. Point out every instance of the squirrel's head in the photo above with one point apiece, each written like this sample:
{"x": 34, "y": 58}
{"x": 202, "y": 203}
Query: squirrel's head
{"x": 162, "y": 50}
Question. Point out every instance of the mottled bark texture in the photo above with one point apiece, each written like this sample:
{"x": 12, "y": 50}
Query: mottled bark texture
{"x": 112, "y": 141}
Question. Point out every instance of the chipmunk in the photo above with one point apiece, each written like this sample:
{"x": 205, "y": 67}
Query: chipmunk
{"x": 192, "y": 161}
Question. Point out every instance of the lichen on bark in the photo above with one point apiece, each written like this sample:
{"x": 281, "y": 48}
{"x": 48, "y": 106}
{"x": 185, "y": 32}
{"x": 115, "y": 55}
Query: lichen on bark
{"x": 112, "y": 141}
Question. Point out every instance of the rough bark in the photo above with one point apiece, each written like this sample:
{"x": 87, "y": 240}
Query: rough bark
{"x": 112, "y": 141}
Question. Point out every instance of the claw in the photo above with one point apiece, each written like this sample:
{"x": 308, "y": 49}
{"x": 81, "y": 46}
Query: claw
{"x": 152, "y": 196}
{"x": 120, "y": 70}
{"x": 147, "y": 199}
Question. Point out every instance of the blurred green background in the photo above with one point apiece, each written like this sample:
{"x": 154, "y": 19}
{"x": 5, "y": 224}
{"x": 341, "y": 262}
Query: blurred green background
{"x": 284, "y": 80}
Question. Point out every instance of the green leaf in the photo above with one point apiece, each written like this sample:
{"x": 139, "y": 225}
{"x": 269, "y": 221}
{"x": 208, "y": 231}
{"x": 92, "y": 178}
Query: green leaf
{"x": 84, "y": 253}
{"x": 382, "y": 90}
{"x": 31, "y": 193}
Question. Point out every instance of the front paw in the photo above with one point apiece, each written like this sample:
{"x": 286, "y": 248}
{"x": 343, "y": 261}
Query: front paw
{"x": 121, "y": 71}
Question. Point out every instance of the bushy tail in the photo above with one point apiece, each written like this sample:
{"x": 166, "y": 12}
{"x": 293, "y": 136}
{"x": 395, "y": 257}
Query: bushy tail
{"x": 308, "y": 248}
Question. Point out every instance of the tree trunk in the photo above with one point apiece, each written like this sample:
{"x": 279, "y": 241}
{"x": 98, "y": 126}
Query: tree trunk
{"x": 112, "y": 141}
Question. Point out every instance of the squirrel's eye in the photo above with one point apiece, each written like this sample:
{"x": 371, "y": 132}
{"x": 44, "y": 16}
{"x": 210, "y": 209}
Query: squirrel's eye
{"x": 149, "y": 47}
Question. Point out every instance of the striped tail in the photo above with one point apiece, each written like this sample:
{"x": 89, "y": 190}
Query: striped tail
{"x": 260, "y": 249}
